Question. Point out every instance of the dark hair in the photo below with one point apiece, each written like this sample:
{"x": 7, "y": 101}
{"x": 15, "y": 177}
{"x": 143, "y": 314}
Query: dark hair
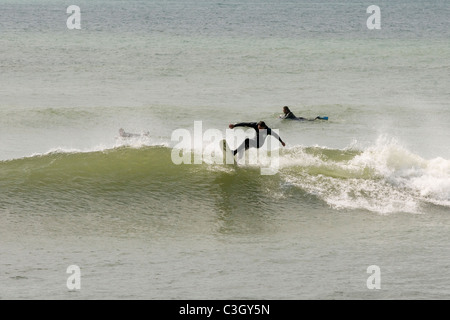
{"x": 262, "y": 124}
{"x": 287, "y": 108}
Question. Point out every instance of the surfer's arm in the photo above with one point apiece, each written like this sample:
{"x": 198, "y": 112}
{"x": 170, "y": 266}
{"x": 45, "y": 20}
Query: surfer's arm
{"x": 288, "y": 115}
{"x": 253, "y": 125}
{"x": 276, "y": 136}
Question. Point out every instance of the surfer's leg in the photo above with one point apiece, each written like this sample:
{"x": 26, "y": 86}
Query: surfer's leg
{"x": 244, "y": 146}
{"x": 248, "y": 143}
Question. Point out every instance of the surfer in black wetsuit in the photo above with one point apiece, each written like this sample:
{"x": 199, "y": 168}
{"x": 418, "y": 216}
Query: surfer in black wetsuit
{"x": 289, "y": 115}
{"x": 262, "y": 131}
{"x": 124, "y": 134}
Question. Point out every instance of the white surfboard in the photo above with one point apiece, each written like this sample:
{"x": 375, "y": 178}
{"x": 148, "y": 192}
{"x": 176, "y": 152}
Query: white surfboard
{"x": 228, "y": 156}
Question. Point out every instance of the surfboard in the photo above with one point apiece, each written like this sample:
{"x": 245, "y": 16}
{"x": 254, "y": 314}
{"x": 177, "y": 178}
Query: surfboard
{"x": 318, "y": 118}
{"x": 228, "y": 156}
{"x": 305, "y": 119}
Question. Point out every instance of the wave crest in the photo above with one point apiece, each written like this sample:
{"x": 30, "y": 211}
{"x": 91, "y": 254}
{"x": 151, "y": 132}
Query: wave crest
{"x": 383, "y": 178}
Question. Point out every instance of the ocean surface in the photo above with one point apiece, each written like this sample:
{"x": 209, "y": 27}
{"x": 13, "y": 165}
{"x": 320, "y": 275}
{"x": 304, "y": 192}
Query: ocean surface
{"x": 370, "y": 186}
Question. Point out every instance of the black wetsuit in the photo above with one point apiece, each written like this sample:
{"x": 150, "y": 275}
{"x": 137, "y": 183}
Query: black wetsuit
{"x": 259, "y": 140}
{"x": 290, "y": 115}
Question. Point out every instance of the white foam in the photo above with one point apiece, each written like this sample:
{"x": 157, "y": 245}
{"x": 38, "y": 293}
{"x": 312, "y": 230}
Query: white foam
{"x": 427, "y": 179}
{"x": 384, "y": 178}
{"x": 139, "y": 142}
{"x": 134, "y": 142}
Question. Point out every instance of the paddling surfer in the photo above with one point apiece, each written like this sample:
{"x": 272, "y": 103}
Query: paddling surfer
{"x": 287, "y": 114}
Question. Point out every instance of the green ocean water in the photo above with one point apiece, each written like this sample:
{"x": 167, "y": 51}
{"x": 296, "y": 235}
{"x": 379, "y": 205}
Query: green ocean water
{"x": 369, "y": 186}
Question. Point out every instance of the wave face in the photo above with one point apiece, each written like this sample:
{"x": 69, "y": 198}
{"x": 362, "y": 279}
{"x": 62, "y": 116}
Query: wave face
{"x": 384, "y": 178}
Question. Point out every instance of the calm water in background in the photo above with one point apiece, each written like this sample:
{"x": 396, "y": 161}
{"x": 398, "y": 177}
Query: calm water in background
{"x": 370, "y": 186}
